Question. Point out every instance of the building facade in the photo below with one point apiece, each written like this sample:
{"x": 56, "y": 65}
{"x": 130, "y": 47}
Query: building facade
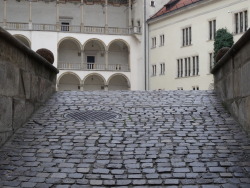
{"x": 181, "y": 37}
{"x": 97, "y": 44}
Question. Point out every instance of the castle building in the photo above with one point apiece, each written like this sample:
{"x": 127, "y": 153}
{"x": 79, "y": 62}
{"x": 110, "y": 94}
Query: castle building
{"x": 181, "y": 38}
{"x": 97, "y": 44}
{"x": 126, "y": 44}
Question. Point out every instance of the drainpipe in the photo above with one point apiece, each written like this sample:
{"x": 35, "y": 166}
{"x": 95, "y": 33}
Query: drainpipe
{"x": 82, "y": 18}
{"x": 5, "y": 14}
{"x": 30, "y": 15}
{"x": 145, "y": 45}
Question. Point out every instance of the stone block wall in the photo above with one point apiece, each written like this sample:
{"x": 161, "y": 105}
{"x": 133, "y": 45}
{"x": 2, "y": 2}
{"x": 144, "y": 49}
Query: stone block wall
{"x": 232, "y": 80}
{"x": 26, "y": 81}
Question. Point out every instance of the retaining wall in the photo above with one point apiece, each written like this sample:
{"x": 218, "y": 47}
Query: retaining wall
{"x": 26, "y": 81}
{"x": 232, "y": 80}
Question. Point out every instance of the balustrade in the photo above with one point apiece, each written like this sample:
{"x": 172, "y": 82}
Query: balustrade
{"x": 92, "y": 66}
{"x": 71, "y": 28}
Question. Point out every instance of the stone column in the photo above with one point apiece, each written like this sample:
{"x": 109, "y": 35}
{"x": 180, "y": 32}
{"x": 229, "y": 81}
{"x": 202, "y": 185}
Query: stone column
{"x": 106, "y": 87}
{"x": 57, "y": 16}
{"x": 82, "y": 60}
{"x": 129, "y": 14}
{"x": 81, "y": 87}
{"x": 5, "y": 13}
{"x": 30, "y": 15}
{"x": 82, "y": 17}
{"x": 106, "y": 16}
{"x": 106, "y": 60}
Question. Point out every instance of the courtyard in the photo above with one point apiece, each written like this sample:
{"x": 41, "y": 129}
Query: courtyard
{"x": 128, "y": 139}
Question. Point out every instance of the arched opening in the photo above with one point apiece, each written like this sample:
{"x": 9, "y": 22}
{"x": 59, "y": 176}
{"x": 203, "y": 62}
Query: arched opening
{"x": 69, "y": 54}
{"x": 94, "y": 82}
{"x": 69, "y": 82}
{"x": 94, "y": 55}
{"x": 23, "y": 40}
{"x": 118, "y": 82}
{"x": 118, "y": 56}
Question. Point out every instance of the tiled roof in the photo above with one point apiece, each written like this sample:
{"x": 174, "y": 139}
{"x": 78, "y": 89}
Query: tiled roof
{"x": 173, "y": 5}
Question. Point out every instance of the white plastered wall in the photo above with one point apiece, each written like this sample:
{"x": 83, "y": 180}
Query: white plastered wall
{"x": 171, "y": 27}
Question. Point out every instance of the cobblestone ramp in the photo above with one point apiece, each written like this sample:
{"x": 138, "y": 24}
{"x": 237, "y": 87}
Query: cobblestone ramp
{"x": 159, "y": 139}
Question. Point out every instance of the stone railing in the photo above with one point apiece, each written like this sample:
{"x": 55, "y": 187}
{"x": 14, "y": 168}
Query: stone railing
{"x": 92, "y": 66}
{"x": 26, "y": 82}
{"x": 70, "y": 28}
{"x": 232, "y": 80}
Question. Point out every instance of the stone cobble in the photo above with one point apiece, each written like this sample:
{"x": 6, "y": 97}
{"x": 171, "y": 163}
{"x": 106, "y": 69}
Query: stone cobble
{"x": 161, "y": 139}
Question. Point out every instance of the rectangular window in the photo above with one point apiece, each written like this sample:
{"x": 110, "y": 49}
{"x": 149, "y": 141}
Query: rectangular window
{"x": 193, "y": 66}
{"x": 186, "y": 36}
{"x": 153, "y": 42}
{"x": 64, "y": 26}
{"x": 162, "y": 40}
{"x": 179, "y": 88}
{"x": 178, "y": 69}
{"x": 152, "y": 3}
{"x": 196, "y": 88}
{"x": 246, "y": 20}
{"x": 211, "y": 61}
{"x": 212, "y": 29}
{"x": 153, "y": 70}
{"x": 241, "y": 21}
{"x": 189, "y": 67}
{"x": 90, "y": 62}
{"x": 186, "y": 66}
{"x": 162, "y": 68}
{"x": 197, "y": 65}
{"x": 181, "y": 68}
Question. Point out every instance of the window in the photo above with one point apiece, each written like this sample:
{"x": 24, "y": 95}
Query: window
{"x": 195, "y": 65}
{"x": 189, "y": 67}
{"x": 241, "y": 21}
{"x": 153, "y": 42}
{"x": 211, "y": 61}
{"x": 65, "y": 22}
{"x": 196, "y": 88}
{"x": 152, "y": 3}
{"x": 212, "y": 29}
{"x": 186, "y": 36}
{"x": 90, "y": 62}
{"x": 153, "y": 70}
{"x": 162, "y": 68}
{"x": 186, "y": 68}
{"x": 64, "y": 26}
{"x": 162, "y": 40}
{"x": 139, "y": 25}
{"x": 179, "y": 88}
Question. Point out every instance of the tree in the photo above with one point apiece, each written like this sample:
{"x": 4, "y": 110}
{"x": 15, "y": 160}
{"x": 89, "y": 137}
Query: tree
{"x": 222, "y": 39}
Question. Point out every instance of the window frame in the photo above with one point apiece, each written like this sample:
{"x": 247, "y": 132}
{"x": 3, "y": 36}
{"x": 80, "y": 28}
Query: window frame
{"x": 240, "y": 21}
{"x": 187, "y": 36}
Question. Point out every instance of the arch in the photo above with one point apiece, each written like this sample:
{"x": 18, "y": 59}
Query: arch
{"x": 119, "y": 40}
{"x": 95, "y": 39}
{"x": 118, "y": 82}
{"x": 118, "y": 57}
{"x": 68, "y": 81}
{"x": 23, "y": 39}
{"x": 94, "y": 81}
{"x": 69, "y": 54}
{"x": 70, "y": 38}
{"x": 94, "y": 54}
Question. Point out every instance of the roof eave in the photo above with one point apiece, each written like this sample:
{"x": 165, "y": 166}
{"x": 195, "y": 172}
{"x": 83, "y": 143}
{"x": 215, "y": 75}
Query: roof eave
{"x": 177, "y": 11}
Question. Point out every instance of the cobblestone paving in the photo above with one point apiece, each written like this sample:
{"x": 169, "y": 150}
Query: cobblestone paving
{"x": 162, "y": 139}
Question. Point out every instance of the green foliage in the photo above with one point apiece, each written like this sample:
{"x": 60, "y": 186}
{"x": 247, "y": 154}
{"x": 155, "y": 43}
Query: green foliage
{"x": 222, "y": 39}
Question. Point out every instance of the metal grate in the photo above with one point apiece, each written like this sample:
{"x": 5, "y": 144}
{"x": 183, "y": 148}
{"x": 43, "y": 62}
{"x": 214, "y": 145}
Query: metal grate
{"x": 92, "y": 115}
